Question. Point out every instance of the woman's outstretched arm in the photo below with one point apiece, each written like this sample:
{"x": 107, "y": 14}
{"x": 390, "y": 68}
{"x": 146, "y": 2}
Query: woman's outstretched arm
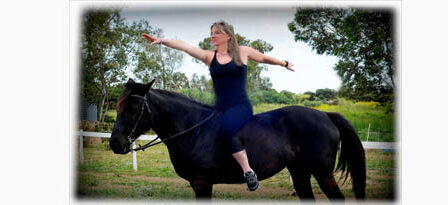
{"x": 257, "y": 56}
{"x": 200, "y": 54}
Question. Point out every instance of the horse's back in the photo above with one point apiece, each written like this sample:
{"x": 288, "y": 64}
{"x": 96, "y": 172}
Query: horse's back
{"x": 291, "y": 122}
{"x": 289, "y": 133}
{"x": 272, "y": 140}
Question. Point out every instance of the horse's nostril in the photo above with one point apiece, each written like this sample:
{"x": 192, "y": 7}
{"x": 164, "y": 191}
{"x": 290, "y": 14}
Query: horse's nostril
{"x": 117, "y": 147}
{"x": 125, "y": 149}
{"x": 114, "y": 145}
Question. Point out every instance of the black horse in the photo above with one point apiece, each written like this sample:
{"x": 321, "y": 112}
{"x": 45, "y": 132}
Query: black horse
{"x": 302, "y": 139}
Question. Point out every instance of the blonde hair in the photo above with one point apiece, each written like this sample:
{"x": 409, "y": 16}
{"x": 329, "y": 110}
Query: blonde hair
{"x": 232, "y": 45}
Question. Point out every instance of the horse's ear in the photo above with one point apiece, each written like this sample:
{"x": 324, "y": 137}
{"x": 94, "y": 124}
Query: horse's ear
{"x": 131, "y": 81}
{"x": 149, "y": 85}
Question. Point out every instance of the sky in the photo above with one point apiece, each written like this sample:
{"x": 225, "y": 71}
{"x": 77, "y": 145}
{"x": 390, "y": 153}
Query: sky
{"x": 192, "y": 24}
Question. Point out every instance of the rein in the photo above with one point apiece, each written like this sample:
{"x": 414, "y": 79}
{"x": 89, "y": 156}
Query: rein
{"x": 150, "y": 144}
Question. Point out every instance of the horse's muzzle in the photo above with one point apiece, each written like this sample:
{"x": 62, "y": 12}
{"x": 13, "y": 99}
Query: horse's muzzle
{"x": 119, "y": 147}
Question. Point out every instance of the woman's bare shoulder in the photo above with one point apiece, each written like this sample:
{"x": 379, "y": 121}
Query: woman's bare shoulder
{"x": 210, "y": 54}
{"x": 245, "y": 50}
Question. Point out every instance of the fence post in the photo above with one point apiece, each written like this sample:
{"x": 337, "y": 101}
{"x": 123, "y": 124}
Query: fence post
{"x": 134, "y": 157}
{"x": 378, "y": 135}
{"x": 368, "y": 133}
{"x": 81, "y": 150}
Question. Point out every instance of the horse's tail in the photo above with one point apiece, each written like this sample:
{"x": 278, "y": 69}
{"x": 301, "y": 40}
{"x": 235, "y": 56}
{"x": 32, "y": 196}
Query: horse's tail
{"x": 351, "y": 157}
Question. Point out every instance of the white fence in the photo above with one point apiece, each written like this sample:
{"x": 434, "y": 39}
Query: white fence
{"x": 81, "y": 133}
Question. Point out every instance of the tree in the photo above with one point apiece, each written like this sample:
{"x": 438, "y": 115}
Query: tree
{"x": 325, "y": 94}
{"x": 151, "y": 62}
{"x": 195, "y": 82}
{"x": 103, "y": 55}
{"x": 110, "y": 46}
{"x": 254, "y": 69}
{"x": 114, "y": 92}
{"x": 178, "y": 81}
{"x": 161, "y": 64}
{"x": 300, "y": 98}
{"x": 290, "y": 96}
{"x": 201, "y": 82}
{"x": 311, "y": 94}
{"x": 363, "y": 41}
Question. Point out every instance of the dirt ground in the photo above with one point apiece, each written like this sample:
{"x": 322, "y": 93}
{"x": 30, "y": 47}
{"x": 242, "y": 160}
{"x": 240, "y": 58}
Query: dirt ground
{"x": 223, "y": 188}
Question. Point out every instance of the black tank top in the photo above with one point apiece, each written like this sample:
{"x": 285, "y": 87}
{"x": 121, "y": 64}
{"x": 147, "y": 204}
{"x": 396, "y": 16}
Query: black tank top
{"x": 229, "y": 83}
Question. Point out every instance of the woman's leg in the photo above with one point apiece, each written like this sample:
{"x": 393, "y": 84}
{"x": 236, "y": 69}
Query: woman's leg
{"x": 234, "y": 118}
{"x": 241, "y": 158}
{"x": 249, "y": 174}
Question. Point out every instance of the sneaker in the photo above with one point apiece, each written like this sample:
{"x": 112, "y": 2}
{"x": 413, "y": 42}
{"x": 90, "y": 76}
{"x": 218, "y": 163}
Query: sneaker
{"x": 251, "y": 179}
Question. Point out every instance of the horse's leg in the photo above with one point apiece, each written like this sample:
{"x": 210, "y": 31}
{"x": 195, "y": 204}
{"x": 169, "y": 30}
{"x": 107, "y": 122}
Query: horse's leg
{"x": 328, "y": 185}
{"x": 202, "y": 188}
{"x": 302, "y": 182}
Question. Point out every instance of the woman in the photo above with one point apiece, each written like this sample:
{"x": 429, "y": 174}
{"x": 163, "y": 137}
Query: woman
{"x": 228, "y": 69}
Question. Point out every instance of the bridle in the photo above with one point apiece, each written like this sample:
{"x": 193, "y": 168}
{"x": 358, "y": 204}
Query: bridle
{"x": 142, "y": 110}
{"x": 150, "y": 144}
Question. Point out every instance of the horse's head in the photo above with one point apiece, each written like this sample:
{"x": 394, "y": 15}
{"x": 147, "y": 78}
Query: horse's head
{"x": 133, "y": 116}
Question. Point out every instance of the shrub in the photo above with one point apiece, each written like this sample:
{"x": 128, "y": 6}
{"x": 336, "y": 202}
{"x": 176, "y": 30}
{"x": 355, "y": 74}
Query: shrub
{"x": 104, "y": 127}
{"x": 308, "y": 103}
{"x": 198, "y": 95}
{"x": 105, "y": 142}
{"x": 333, "y": 102}
{"x": 272, "y": 97}
{"x": 290, "y": 97}
{"x": 255, "y": 98}
{"x": 108, "y": 118}
{"x": 87, "y": 125}
{"x": 326, "y": 94}
{"x": 311, "y": 94}
{"x": 301, "y": 98}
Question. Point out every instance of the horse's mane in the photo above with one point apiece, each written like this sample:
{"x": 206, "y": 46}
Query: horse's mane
{"x": 177, "y": 96}
{"x": 121, "y": 99}
{"x": 182, "y": 97}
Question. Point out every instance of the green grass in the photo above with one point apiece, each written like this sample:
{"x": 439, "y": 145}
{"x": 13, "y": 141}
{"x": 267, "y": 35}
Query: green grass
{"x": 361, "y": 114}
{"x": 104, "y": 175}
{"x": 124, "y": 187}
{"x": 102, "y": 160}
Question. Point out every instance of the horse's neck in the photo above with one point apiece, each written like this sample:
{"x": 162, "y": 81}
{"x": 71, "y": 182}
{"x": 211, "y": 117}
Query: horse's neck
{"x": 174, "y": 115}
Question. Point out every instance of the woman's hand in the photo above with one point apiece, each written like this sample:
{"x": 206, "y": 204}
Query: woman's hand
{"x": 289, "y": 67}
{"x": 152, "y": 39}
